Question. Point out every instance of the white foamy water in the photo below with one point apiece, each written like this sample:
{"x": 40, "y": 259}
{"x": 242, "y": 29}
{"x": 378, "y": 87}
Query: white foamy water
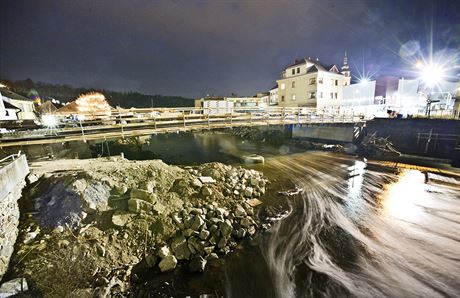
{"x": 359, "y": 231}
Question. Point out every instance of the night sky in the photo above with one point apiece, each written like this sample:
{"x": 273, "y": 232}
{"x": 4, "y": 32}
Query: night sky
{"x": 193, "y": 48}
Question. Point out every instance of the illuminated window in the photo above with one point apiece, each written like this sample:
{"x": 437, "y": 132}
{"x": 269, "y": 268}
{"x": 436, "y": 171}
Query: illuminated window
{"x": 332, "y": 82}
{"x": 293, "y": 84}
{"x": 321, "y": 94}
{"x": 293, "y": 96}
{"x": 283, "y": 86}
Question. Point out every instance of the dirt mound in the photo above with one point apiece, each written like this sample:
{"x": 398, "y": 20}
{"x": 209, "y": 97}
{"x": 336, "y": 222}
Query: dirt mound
{"x": 88, "y": 223}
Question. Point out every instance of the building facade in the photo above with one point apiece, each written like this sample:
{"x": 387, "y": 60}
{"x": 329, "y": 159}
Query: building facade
{"x": 307, "y": 83}
{"x": 25, "y": 106}
{"x": 404, "y": 96}
{"x": 273, "y": 96}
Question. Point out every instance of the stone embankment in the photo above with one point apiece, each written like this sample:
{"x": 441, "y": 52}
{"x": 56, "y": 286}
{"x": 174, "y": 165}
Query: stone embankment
{"x": 12, "y": 174}
{"x": 88, "y": 224}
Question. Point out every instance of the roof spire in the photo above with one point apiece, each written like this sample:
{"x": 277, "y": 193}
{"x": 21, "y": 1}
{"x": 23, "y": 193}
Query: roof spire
{"x": 345, "y": 61}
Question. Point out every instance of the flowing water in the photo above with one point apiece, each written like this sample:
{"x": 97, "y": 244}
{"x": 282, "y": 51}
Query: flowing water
{"x": 355, "y": 230}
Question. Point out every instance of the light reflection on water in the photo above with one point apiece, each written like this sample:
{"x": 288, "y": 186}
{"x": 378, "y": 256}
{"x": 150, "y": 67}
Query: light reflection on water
{"x": 363, "y": 232}
{"x": 403, "y": 199}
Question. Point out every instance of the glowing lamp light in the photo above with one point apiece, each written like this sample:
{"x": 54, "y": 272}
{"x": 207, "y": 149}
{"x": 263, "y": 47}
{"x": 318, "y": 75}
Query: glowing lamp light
{"x": 364, "y": 81}
{"x": 49, "y": 120}
{"x": 432, "y": 74}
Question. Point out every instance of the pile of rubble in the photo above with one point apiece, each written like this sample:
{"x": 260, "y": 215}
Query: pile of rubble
{"x": 373, "y": 146}
{"x": 205, "y": 232}
{"x": 90, "y": 222}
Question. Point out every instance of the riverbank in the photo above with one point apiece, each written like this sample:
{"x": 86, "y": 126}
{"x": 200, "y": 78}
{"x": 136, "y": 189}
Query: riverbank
{"x": 95, "y": 222}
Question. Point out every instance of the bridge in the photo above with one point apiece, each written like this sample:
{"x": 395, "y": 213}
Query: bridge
{"x": 121, "y": 123}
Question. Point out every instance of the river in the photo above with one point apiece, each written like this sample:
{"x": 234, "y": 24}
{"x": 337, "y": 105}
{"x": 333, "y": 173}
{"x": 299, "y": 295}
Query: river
{"x": 356, "y": 229}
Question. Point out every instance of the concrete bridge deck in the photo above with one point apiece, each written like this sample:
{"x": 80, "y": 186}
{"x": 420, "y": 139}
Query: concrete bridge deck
{"x": 140, "y": 122}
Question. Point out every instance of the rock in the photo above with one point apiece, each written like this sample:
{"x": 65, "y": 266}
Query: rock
{"x": 151, "y": 260}
{"x": 208, "y": 249}
{"x": 180, "y": 248}
{"x": 197, "y": 264}
{"x": 100, "y": 250}
{"x": 225, "y": 228}
{"x": 195, "y": 244}
{"x": 168, "y": 263}
{"x": 197, "y": 183}
{"x": 204, "y": 234}
{"x": 188, "y": 232}
{"x": 196, "y": 211}
{"x": 121, "y": 218}
{"x": 178, "y": 221}
{"x": 239, "y": 211}
{"x": 197, "y": 223}
{"x": 254, "y": 182}
{"x": 254, "y": 202}
{"x": 251, "y": 230}
{"x": 248, "y": 191}
{"x": 148, "y": 185}
{"x": 13, "y": 287}
{"x": 136, "y": 205}
{"x": 246, "y": 222}
{"x": 140, "y": 194}
{"x": 163, "y": 252}
{"x": 207, "y": 179}
{"x": 30, "y": 237}
{"x": 212, "y": 256}
{"x": 159, "y": 208}
{"x": 32, "y": 178}
{"x": 120, "y": 190}
{"x": 206, "y": 191}
{"x": 222, "y": 242}
{"x": 213, "y": 240}
{"x": 240, "y": 233}
{"x": 222, "y": 212}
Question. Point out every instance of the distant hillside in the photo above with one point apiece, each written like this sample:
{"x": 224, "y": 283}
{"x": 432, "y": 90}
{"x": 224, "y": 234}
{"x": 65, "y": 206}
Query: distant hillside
{"x": 66, "y": 93}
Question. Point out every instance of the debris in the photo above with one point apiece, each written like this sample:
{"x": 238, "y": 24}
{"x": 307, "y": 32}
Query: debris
{"x": 13, "y": 287}
{"x": 206, "y": 179}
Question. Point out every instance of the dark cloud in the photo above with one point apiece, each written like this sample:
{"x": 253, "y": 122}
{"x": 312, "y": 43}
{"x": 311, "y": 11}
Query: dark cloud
{"x": 193, "y": 47}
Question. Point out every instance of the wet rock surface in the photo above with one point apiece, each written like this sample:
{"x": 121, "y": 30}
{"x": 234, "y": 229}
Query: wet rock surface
{"x": 92, "y": 223}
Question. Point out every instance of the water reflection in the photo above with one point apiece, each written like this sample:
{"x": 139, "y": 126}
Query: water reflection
{"x": 403, "y": 199}
{"x": 363, "y": 232}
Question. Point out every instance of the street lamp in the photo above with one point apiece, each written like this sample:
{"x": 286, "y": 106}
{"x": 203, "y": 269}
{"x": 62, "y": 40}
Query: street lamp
{"x": 431, "y": 75}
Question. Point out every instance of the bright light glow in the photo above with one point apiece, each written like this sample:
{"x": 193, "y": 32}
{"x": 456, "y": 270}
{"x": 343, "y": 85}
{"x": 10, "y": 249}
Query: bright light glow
{"x": 3, "y": 86}
{"x": 49, "y": 120}
{"x": 93, "y": 103}
{"x": 419, "y": 64}
{"x": 364, "y": 81}
{"x": 402, "y": 199}
{"x": 432, "y": 74}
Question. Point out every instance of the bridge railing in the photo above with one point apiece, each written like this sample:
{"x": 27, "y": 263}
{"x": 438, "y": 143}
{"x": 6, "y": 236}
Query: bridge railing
{"x": 124, "y": 122}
